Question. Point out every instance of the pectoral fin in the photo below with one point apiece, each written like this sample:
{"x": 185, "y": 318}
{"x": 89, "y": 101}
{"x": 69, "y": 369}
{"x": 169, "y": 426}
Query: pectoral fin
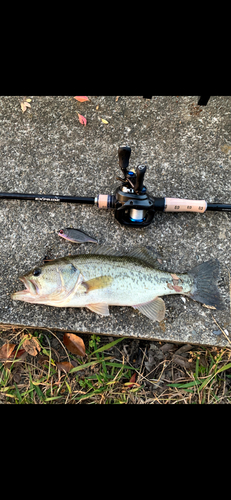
{"x": 154, "y": 310}
{"x": 100, "y": 308}
{"x": 97, "y": 283}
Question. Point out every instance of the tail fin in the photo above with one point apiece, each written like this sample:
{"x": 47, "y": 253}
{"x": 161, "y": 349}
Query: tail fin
{"x": 204, "y": 284}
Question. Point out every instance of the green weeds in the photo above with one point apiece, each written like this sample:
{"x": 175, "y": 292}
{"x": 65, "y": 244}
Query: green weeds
{"x": 105, "y": 376}
{"x": 207, "y": 384}
{"x": 95, "y": 379}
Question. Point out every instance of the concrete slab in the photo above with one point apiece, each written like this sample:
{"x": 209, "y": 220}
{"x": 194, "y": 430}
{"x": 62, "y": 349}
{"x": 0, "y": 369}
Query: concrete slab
{"x": 47, "y": 150}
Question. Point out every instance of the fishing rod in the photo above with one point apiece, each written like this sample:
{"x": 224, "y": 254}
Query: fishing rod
{"x": 132, "y": 204}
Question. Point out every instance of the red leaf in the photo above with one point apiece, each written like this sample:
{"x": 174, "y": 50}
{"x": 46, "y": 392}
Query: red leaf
{"x": 81, "y": 98}
{"x": 20, "y": 354}
{"x": 132, "y": 380}
{"x": 82, "y": 120}
{"x": 74, "y": 344}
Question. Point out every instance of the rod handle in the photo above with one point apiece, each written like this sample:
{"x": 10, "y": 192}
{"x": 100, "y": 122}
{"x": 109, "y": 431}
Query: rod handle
{"x": 184, "y": 205}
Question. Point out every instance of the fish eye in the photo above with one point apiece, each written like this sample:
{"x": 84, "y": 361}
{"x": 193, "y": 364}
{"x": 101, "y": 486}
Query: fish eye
{"x": 37, "y": 272}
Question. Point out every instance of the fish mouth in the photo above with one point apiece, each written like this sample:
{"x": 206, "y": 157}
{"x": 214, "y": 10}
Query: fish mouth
{"x": 63, "y": 235}
{"x": 30, "y": 290}
{"x": 30, "y": 285}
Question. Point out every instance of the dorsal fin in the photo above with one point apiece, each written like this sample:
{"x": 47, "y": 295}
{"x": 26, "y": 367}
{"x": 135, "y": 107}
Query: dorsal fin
{"x": 144, "y": 255}
{"x": 140, "y": 253}
{"x": 107, "y": 250}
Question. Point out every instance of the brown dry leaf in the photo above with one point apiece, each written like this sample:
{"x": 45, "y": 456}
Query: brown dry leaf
{"x": 16, "y": 374}
{"x": 117, "y": 98}
{"x": 31, "y": 345}
{"x": 180, "y": 360}
{"x": 17, "y": 358}
{"x": 6, "y": 350}
{"x": 64, "y": 366}
{"x": 74, "y": 344}
{"x": 42, "y": 359}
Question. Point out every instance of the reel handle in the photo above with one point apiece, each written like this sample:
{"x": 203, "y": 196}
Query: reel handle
{"x": 124, "y": 155}
{"x": 140, "y": 171}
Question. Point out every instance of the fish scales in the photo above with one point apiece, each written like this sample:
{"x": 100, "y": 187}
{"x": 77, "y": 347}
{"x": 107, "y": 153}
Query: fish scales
{"x": 97, "y": 281}
{"x": 130, "y": 276}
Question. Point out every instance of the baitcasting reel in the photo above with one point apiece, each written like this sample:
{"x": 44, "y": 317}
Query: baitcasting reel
{"x": 132, "y": 204}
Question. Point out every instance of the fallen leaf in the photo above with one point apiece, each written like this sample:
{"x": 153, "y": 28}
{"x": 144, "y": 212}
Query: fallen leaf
{"x": 81, "y": 98}
{"x": 31, "y": 345}
{"x": 180, "y": 360}
{"x": 104, "y": 121}
{"x": 64, "y": 366}
{"x": 132, "y": 381}
{"x": 184, "y": 348}
{"x": 175, "y": 277}
{"x": 82, "y": 120}
{"x": 24, "y": 105}
{"x": 20, "y": 356}
{"x": 6, "y": 350}
{"x": 28, "y": 100}
{"x": 42, "y": 359}
{"x": 208, "y": 307}
{"x": 117, "y": 98}
{"x": 74, "y": 344}
{"x": 17, "y": 372}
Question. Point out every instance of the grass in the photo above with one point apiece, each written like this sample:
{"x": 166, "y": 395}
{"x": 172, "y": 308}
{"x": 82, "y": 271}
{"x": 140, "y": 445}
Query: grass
{"x": 207, "y": 384}
{"x": 106, "y": 376}
{"x": 96, "y": 379}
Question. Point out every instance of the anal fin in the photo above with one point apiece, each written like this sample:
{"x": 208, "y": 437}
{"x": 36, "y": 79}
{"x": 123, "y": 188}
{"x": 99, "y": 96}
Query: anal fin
{"x": 154, "y": 310}
{"x": 100, "y": 308}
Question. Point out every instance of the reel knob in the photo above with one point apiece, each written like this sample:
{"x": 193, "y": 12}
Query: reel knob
{"x": 140, "y": 171}
{"x": 124, "y": 155}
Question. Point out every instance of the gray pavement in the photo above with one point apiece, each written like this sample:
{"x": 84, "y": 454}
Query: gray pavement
{"x": 47, "y": 150}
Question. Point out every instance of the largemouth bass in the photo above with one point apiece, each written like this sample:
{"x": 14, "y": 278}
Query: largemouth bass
{"x": 106, "y": 277}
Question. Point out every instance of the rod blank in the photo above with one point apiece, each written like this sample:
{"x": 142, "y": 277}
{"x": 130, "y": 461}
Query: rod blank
{"x": 48, "y": 197}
